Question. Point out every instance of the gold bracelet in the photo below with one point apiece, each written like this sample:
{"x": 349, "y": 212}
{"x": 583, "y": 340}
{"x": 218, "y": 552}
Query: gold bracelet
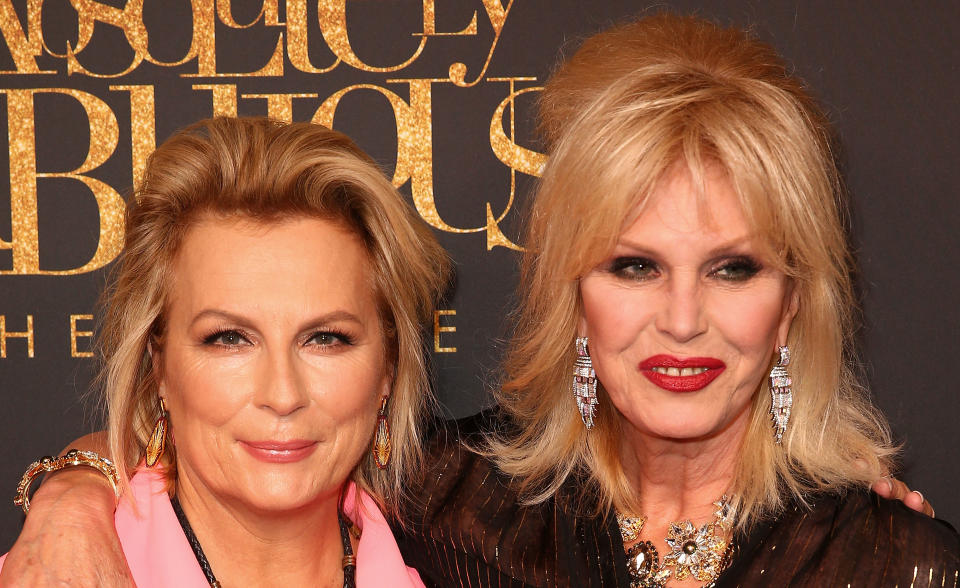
{"x": 69, "y": 459}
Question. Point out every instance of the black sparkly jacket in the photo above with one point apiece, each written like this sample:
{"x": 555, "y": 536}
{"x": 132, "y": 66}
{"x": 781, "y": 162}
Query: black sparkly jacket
{"x": 470, "y": 530}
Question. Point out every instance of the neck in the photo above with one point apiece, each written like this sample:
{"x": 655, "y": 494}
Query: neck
{"x": 246, "y": 546}
{"x": 681, "y": 479}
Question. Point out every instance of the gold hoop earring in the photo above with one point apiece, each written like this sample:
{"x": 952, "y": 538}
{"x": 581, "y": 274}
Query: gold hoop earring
{"x": 381, "y": 442}
{"x": 158, "y": 439}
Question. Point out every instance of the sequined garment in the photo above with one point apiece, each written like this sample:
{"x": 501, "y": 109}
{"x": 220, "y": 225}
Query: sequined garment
{"x": 471, "y": 531}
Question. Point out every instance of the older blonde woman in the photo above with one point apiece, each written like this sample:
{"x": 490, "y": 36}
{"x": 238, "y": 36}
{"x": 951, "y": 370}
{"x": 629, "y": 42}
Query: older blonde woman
{"x": 687, "y": 226}
{"x": 682, "y": 403}
{"x": 264, "y": 373}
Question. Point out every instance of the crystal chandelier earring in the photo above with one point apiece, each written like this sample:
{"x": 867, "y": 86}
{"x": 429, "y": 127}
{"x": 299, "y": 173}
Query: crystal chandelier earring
{"x": 585, "y": 384}
{"x": 781, "y": 395}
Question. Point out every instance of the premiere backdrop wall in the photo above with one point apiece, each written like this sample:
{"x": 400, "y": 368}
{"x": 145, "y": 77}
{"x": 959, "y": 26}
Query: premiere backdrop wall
{"x": 442, "y": 93}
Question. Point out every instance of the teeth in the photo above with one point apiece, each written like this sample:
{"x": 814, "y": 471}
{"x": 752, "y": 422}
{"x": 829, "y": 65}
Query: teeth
{"x": 687, "y": 371}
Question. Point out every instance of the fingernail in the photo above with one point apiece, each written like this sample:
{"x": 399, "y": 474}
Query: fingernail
{"x": 889, "y": 483}
{"x": 920, "y": 494}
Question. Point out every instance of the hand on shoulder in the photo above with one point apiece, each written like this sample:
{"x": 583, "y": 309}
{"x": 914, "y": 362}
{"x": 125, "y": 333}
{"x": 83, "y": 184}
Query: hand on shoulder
{"x": 69, "y": 536}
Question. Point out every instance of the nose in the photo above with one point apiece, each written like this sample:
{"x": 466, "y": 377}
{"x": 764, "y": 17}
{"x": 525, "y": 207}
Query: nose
{"x": 681, "y": 314}
{"x": 281, "y": 388}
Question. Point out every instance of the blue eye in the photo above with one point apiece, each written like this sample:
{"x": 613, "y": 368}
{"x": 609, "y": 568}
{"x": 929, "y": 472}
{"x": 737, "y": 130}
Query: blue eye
{"x": 634, "y": 268}
{"x": 738, "y": 269}
{"x": 330, "y": 338}
{"x": 226, "y": 338}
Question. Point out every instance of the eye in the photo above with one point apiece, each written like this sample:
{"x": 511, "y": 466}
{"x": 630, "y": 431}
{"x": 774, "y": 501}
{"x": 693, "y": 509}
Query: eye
{"x": 634, "y": 268}
{"x": 226, "y": 338}
{"x": 737, "y": 269}
{"x": 329, "y": 338}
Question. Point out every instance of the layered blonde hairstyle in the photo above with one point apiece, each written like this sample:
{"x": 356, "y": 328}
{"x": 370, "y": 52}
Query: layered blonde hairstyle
{"x": 266, "y": 171}
{"x": 632, "y": 103}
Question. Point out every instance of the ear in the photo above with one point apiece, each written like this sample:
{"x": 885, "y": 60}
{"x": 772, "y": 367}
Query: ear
{"x": 386, "y": 386}
{"x": 156, "y": 362}
{"x": 582, "y": 330}
{"x": 791, "y": 305}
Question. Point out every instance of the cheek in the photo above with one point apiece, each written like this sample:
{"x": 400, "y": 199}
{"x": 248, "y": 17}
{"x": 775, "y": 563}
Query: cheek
{"x": 205, "y": 393}
{"x": 749, "y": 323}
{"x": 349, "y": 392}
{"x": 612, "y": 315}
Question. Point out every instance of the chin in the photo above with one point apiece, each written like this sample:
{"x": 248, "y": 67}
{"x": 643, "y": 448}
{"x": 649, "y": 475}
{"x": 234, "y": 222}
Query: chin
{"x": 682, "y": 425}
{"x": 283, "y": 493}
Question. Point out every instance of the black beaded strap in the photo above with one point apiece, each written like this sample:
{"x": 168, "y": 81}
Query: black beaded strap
{"x": 194, "y": 544}
{"x": 349, "y": 560}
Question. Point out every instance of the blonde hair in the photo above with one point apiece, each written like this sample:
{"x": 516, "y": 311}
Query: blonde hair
{"x": 634, "y": 101}
{"x": 263, "y": 170}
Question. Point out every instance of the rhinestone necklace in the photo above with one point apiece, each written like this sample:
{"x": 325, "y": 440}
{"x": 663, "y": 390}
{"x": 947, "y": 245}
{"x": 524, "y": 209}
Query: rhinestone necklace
{"x": 701, "y": 553}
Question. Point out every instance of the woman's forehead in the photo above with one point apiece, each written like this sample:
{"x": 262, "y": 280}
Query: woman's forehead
{"x": 688, "y": 199}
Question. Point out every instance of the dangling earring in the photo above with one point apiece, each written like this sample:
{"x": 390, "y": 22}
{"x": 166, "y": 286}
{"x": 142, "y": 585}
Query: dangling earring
{"x": 381, "y": 441}
{"x": 781, "y": 397}
{"x": 585, "y": 384}
{"x": 158, "y": 440}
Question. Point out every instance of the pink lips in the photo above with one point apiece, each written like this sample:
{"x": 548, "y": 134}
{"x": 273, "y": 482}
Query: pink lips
{"x": 280, "y": 451}
{"x": 688, "y": 383}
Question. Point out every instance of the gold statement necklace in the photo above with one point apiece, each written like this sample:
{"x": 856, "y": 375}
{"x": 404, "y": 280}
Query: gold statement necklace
{"x": 700, "y": 553}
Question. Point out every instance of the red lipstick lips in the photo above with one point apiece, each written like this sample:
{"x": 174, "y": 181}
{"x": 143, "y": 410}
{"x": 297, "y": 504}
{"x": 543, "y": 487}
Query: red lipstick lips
{"x": 279, "y": 451}
{"x": 681, "y": 383}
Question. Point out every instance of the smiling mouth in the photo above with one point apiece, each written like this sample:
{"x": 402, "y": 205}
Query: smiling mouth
{"x": 279, "y": 451}
{"x": 681, "y": 372}
{"x": 681, "y": 375}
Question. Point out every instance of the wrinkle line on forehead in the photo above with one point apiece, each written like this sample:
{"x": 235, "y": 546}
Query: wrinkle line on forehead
{"x": 335, "y": 316}
{"x": 728, "y": 246}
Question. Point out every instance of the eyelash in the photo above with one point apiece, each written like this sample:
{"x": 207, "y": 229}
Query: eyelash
{"x": 642, "y": 268}
{"x": 213, "y": 338}
{"x": 746, "y": 266}
{"x": 630, "y": 268}
{"x": 342, "y": 338}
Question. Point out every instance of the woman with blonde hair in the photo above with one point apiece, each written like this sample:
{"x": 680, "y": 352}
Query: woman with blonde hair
{"x": 264, "y": 370}
{"x": 682, "y": 404}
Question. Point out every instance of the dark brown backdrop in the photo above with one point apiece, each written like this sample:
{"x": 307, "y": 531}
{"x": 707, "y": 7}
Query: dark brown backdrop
{"x": 887, "y": 73}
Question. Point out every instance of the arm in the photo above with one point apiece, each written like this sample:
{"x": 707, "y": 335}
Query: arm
{"x": 69, "y": 537}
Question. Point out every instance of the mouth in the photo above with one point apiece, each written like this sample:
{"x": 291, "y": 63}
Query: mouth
{"x": 687, "y": 371}
{"x": 681, "y": 375}
{"x": 271, "y": 451}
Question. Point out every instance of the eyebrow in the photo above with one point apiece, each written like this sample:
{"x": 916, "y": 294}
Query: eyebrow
{"x": 335, "y": 316}
{"x": 723, "y": 248}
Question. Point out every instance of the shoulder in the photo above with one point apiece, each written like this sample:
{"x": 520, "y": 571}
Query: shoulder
{"x": 379, "y": 562}
{"x": 146, "y": 523}
{"x": 909, "y": 538}
{"x": 460, "y": 484}
{"x": 858, "y": 539}
{"x": 470, "y": 526}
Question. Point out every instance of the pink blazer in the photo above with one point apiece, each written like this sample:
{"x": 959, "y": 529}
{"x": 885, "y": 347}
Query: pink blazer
{"x": 158, "y": 553}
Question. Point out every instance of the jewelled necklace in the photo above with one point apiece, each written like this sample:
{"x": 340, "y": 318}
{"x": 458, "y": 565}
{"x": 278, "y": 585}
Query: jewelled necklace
{"x": 701, "y": 553}
{"x": 349, "y": 560}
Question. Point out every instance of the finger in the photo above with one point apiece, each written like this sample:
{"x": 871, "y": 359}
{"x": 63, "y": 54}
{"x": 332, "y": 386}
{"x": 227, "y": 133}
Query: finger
{"x": 883, "y": 487}
{"x": 914, "y": 500}
{"x": 900, "y": 490}
{"x": 925, "y": 506}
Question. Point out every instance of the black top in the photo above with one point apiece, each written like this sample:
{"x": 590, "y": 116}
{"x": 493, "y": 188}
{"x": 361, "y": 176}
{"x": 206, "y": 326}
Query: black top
{"x": 472, "y": 531}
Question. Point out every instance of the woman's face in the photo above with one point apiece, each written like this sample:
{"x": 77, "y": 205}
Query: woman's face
{"x": 272, "y": 362}
{"x": 684, "y": 315}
